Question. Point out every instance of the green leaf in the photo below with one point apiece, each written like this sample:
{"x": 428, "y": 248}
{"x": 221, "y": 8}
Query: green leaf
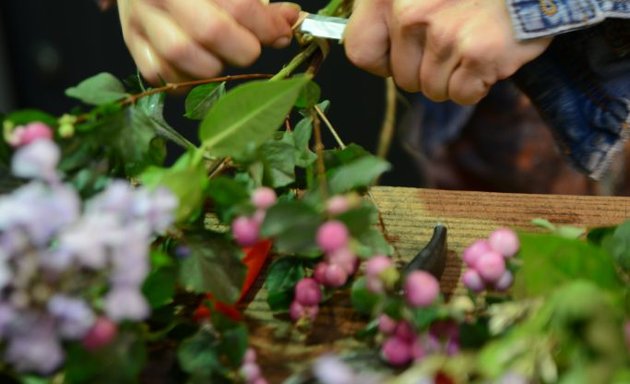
{"x": 119, "y": 362}
{"x": 186, "y": 180}
{"x": 233, "y": 342}
{"x": 281, "y": 279}
{"x": 596, "y": 236}
{"x": 159, "y": 286}
{"x": 278, "y": 161}
{"x": 26, "y": 116}
{"x": 363, "y": 301}
{"x": 618, "y": 245}
{"x": 227, "y": 194}
{"x": 198, "y": 355}
{"x": 372, "y": 242}
{"x": 304, "y": 157}
{"x": 99, "y": 89}
{"x": 309, "y": 95}
{"x": 359, "y": 173}
{"x": 292, "y": 225}
{"x": 359, "y": 220}
{"x": 549, "y": 261}
{"x": 248, "y": 115}
{"x": 153, "y": 108}
{"x": 214, "y": 266}
{"x": 201, "y": 98}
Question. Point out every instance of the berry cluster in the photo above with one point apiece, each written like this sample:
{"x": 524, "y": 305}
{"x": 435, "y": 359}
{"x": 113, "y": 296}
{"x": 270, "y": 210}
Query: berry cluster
{"x": 486, "y": 261}
{"x": 338, "y": 264}
{"x": 246, "y": 229}
{"x": 250, "y": 370}
{"x": 54, "y": 250}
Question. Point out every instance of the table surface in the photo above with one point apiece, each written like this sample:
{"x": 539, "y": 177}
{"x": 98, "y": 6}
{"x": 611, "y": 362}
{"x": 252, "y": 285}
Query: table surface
{"x": 408, "y": 216}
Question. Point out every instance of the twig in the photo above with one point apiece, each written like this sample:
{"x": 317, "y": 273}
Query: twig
{"x": 319, "y": 150}
{"x": 389, "y": 120}
{"x": 332, "y": 130}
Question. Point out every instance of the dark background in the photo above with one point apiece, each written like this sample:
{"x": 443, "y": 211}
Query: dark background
{"x": 52, "y": 45}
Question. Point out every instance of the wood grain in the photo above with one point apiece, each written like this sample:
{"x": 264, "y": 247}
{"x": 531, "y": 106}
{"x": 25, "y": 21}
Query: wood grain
{"x": 409, "y": 216}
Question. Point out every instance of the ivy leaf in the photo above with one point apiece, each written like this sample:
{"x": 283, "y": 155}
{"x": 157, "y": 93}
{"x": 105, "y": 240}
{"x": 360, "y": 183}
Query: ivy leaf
{"x": 201, "y": 98}
{"x": 213, "y": 266}
{"x": 363, "y": 300}
{"x": 309, "y": 95}
{"x": 618, "y": 245}
{"x": 359, "y": 173}
{"x": 248, "y": 115}
{"x": 278, "y": 160}
{"x": 550, "y": 261}
{"x": 25, "y": 116}
{"x": 372, "y": 242}
{"x": 227, "y": 194}
{"x": 153, "y": 107}
{"x": 359, "y": 220}
{"x": 186, "y": 180}
{"x": 99, "y": 89}
{"x": 159, "y": 286}
{"x": 197, "y": 355}
{"x": 292, "y": 225}
{"x": 119, "y": 362}
{"x": 234, "y": 339}
{"x": 283, "y": 275}
{"x": 301, "y": 136}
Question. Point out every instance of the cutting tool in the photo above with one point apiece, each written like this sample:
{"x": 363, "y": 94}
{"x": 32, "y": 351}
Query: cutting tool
{"x": 326, "y": 27}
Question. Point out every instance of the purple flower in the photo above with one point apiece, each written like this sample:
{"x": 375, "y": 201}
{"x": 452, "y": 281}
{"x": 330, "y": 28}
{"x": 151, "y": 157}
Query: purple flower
{"x": 157, "y": 207}
{"x": 130, "y": 257}
{"x": 37, "y": 349}
{"x": 126, "y": 303}
{"x": 37, "y": 160}
{"x": 331, "y": 370}
{"x": 74, "y": 316}
{"x": 87, "y": 239}
{"x": 117, "y": 198}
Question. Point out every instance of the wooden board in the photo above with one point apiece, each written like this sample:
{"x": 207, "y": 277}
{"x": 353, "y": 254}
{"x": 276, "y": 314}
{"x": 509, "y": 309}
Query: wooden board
{"x": 409, "y": 216}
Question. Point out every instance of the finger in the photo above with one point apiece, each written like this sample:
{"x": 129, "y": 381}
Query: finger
{"x": 177, "y": 48}
{"x": 215, "y": 30}
{"x": 406, "y": 54}
{"x": 291, "y": 13}
{"x": 438, "y": 63}
{"x": 366, "y": 39}
{"x": 152, "y": 68}
{"x": 260, "y": 19}
{"x": 466, "y": 87}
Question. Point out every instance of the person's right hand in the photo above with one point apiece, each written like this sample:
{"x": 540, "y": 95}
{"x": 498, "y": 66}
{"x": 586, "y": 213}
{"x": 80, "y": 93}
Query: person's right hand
{"x": 176, "y": 40}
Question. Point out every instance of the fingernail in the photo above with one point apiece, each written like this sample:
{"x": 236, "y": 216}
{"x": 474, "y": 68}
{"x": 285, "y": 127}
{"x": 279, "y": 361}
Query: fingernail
{"x": 281, "y": 42}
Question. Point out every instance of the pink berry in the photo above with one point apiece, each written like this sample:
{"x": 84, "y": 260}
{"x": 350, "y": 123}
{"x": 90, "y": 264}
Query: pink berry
{"x": 250, "y": 371}
{"x": 260, "y": 380}
{"x": 337, "y": 205}
{"x": 298, "y": 311}
{"x": 476, "y": 249}
{"x": 473, "y": 281}
{"x": 307, "y": 292}
{"x": 245, "y": 230}
{"x": 417, "y": 350}
{"x": 376, "y": 265}
{"x": 344, "y": 258}
{"x": 421, "y": 289}
{"x": 505, "y": 241}
{"x": 35, "y": 131}
{"x": 504, "y": 282}
{"x": 259, "y": 216}
{"x": 404, "y": 331}
{"x": 386, "y": 324}
{"x": 332, "y": 235}
{"x": 374, "y": 284}
{"x": 490, "y": 266}
{"x": 263, "y": 198}
{"x": 101, "y": 334}
{"x": 335, "y": 276}
{"x": 396, "y": 351}
{"x": 319, "y": 273}
{"x": 250, "y": 356}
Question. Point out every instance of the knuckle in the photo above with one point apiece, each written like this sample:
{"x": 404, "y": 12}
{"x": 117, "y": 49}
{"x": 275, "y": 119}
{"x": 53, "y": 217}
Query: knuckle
{"x": 209, "y": 33}
{"x": 177, "y": 51}
{"x": 441, "y": 41}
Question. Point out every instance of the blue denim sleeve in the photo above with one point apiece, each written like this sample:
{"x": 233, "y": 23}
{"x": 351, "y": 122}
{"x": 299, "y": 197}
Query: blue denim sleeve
{"x": 537, "y": 18}
{"x": 581, "y": 84}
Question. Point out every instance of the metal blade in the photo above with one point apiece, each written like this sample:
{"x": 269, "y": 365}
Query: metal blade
{"x": 324, "y": 26}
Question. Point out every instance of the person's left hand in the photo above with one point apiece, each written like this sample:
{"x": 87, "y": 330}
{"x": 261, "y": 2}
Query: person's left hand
{"x": 447, "y": 49}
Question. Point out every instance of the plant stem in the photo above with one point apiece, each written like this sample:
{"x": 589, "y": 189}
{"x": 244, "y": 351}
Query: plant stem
{"x": 298, "y": 60}
{"x": 174, "y": 86}
{"x": 319, "y": 151}
{"x": 389, "y": 120}
{"x": 330, "y": 127}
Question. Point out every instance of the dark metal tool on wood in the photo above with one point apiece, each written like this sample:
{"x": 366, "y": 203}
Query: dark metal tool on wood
{"x": 432, "y": 258}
